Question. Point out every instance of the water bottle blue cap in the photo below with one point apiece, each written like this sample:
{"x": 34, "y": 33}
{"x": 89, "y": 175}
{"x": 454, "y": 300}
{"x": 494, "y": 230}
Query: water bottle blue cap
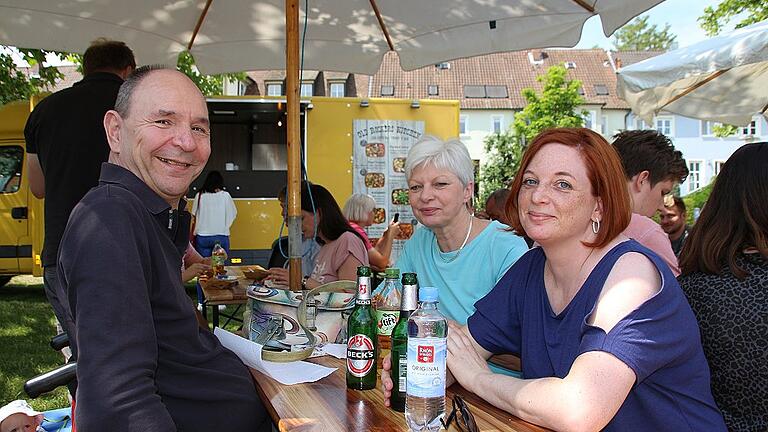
{"x": 428, "y": 293}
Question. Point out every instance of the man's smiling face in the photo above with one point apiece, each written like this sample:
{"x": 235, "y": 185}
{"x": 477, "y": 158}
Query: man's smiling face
{"x": 165, "y": 138}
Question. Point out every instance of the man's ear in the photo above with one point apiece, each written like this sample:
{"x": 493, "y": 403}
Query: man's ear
{"x": 639, "y": 180}
{"x": 113, "y": 124}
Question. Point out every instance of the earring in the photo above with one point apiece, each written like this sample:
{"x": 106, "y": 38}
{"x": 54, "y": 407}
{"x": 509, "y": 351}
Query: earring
{"x": 595, "y": 226}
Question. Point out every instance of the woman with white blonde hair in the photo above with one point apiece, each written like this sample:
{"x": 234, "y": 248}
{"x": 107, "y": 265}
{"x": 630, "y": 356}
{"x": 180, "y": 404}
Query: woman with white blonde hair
{"x": 452, "y": 244}
{"x": 359, "y": 211}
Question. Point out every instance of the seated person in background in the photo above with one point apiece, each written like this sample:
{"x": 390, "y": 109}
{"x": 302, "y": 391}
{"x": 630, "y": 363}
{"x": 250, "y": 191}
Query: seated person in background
{"x": 652, "y": 167}
{"x": 607, "y": 340}
{"x": 725, "y": 277}
{"x": 144, "y": 364}
{"x": 193, "y": 264}
{"x": 343, "y": 249}
{"x": 309, "y": 247}
{"x": 359, "y": 212}
{"x": 494, "y": 205}
{"x": 673, "y": 216}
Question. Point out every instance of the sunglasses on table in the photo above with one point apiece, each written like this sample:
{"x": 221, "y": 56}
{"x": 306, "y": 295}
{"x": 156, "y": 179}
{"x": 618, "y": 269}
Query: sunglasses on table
{"x": 465, "y": 421}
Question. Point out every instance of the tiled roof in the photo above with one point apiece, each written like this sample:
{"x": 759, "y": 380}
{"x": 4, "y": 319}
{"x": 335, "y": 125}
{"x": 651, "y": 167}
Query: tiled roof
{"x": 515, "y": 70}
{"x": 71, "y": 76}
{"x": 626, "y": 58}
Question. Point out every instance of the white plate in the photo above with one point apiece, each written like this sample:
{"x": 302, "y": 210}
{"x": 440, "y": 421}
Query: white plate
{"x": 227, "y": 278}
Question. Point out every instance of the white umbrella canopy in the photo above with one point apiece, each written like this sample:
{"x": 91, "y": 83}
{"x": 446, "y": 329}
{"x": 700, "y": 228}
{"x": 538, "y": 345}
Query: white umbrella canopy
{"x": 347, "y": 36}
{"x": 723, "y": 79}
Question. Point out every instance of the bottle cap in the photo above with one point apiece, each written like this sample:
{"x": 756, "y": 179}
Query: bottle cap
{"x": 364, "y": 271}
{"x": 428, "y": 293}
{"x": 392, "y": 273}
{"x": 409, "y": 279}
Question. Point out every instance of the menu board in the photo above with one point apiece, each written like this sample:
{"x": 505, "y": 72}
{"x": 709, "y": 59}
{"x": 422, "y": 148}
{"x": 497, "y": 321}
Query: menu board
{"x": 380, "y": 149}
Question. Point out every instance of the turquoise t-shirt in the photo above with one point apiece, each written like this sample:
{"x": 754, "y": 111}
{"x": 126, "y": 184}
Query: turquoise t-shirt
{"x": 471, "y": 275}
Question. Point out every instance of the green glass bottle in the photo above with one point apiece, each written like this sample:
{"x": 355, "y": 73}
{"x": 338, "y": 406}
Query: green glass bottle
{"x": 399, "y": 359}
{"x": 361, "y": 329}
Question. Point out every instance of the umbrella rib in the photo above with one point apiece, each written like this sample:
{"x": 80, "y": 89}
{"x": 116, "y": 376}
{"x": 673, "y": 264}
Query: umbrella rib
{"x": 589, "y": 8}
{"x": 199, "y": 24}
{"x": 694, "y": 87}
{"x": 381, "y": 24}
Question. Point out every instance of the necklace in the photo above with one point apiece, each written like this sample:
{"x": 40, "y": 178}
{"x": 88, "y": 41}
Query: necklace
{"x": 458, "y": 251}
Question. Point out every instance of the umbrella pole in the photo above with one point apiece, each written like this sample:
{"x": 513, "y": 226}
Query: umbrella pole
{"x": 294, "y": 143}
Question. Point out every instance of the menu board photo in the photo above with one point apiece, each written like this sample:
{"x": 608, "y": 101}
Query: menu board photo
{"x": 380, "y": 151}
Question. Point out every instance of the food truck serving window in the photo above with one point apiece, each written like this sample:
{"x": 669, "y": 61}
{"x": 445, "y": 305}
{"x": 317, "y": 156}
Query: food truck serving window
{"x": 248, "y": 146}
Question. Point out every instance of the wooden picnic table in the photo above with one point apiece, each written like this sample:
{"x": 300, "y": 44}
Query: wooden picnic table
{"x": 217, "y": 293}
{"x": 327, "y": 405}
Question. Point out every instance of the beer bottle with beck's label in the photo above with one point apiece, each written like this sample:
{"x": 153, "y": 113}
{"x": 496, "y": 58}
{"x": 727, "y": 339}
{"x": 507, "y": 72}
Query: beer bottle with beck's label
{"x": 361, "y": 329}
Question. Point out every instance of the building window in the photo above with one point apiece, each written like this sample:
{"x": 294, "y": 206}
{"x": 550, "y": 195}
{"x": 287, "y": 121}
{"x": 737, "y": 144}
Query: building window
{"x": 462, "y": 125}
{"x": 664, "y": 125}
{"x": 718, "y": 165}
{"x": 694, "y": 174}
{"x": 433, "y": 90}
{"x": 750, "y": 129}
{"x": 590, "y": 120}
{"x": 307, "y": 89}
{"x": 337, "y": 90}
{"x": 706, "y": 128}
{"x": 640, "y": 124}
{"x": 485, "y": 92}
{"x": 274, "y": 89}
{"x": 387, "y": 90}
{"x": 498, "y": 124}
{"x": 601, "y": 89}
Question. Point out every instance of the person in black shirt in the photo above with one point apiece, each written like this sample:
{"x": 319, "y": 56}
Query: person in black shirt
{"x": 66, "y": 146}
{"x": 144, "y": 363}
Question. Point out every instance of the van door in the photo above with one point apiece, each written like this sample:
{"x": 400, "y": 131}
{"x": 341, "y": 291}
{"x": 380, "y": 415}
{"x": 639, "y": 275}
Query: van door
{"x": 13, "y": 209}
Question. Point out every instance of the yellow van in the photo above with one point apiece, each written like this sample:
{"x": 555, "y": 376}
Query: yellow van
{"x": 248, "y": 141}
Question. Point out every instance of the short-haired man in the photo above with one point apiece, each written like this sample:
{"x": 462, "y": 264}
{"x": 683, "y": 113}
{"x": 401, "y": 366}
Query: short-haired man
{"x": 144, "y": 364}
{"x": 673, "y": 217}
{"x": 652, "y": 167}
{"x": 66, "y": 145}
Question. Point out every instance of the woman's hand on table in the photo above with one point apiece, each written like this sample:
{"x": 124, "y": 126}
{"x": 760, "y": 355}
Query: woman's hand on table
{"x": 278, "y": 275}
{"x": 464, "y": 362}
{"x": 386, "y": 380}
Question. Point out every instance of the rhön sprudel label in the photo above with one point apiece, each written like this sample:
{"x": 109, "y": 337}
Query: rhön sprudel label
{"x": 360, "y": 355}
{"x": 426, "y": 367}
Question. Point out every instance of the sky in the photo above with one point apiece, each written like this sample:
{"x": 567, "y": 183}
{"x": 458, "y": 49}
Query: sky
{"x": 681, "y": 15}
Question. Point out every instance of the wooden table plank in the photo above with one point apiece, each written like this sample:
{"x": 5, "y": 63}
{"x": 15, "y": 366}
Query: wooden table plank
{"x": 327, "y": 405}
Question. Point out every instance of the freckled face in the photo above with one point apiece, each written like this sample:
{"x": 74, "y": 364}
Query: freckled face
{"x": 437, "y": 196}
{"x": 555, "y": 201}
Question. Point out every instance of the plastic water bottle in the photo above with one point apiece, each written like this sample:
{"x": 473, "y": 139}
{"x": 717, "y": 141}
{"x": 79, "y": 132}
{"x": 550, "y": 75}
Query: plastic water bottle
{"x": 425, "y": 386}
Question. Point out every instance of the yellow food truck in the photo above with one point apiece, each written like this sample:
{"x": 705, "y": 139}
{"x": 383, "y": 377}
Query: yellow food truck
{"x": 248, "y": 141}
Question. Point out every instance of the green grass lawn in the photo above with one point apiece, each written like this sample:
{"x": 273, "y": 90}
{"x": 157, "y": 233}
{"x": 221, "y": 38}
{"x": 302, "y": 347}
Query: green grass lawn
{"x": 26, "y": 327}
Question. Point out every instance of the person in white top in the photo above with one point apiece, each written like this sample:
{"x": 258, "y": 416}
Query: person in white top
{"x": 214, "y": 211}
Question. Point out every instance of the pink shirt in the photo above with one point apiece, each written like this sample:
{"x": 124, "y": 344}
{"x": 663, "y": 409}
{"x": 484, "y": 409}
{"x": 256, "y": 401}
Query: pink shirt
{"x": 361, "y": 231}
{"x": 649, "y": 234}
{"x": 332, "y": 255}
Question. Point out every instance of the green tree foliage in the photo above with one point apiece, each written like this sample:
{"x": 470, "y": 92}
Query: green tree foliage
{"x": 209, "y": 85}
{"x": 16, "y": 84}
{"x": 723, "y": 130}
{"x": 748, "y": 11}
{"x": 638, "y": 35}
{"x": 556, "y": 106}
{"x": 697, "y": 199}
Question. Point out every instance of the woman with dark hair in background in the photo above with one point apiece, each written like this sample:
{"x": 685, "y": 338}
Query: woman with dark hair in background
{"x": 343, "y": 249}
{"x": 724, "y": 266}
{"x": 214, "y": 211}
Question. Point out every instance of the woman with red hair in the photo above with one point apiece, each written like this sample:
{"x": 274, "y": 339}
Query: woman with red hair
{"x": 606, "y": 338}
